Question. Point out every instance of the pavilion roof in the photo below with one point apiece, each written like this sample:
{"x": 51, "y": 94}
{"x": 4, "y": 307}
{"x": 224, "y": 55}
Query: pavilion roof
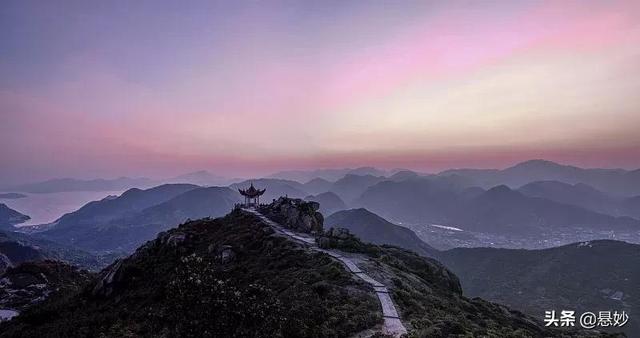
{"x": 251, "y": 191}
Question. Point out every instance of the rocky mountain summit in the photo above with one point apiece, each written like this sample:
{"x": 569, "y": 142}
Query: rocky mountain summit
{"x": 295, "y": 214}
{"x": 184, "y": 284}
{"x": 236, "y": 276}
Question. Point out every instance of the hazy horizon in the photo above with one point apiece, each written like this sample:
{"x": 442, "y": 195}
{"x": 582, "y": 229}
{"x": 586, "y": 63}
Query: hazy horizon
{"x": 284, "y": 170}
{"x": 162, "y": 88}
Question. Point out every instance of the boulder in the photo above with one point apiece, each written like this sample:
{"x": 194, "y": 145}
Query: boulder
{"x": 296, "y": 214}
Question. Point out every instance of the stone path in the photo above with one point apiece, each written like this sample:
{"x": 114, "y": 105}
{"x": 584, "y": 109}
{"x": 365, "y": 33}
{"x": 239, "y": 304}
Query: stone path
{"x": 392, "y": 324}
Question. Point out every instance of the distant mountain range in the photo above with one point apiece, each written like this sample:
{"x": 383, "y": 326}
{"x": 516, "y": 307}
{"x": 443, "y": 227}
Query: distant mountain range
{"x": 317, "y": 186}
{"x": 129, "y": 203}
{"x": 202, "y": 178}
{"x": 327, "y": 174}
{"x": 329, "y": 202}
{"x": 497, "y": 210}
{"x": 463, "y": 198}
{"x": 584, "y": 196}
{"x": 71, "y": 184}
{"x": 352, "y": 186}
{"x": 123, "y": 223}
{"x": 613, "y": 181}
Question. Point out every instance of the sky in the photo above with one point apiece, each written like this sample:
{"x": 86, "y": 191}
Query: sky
{"x": 159, "y": 88}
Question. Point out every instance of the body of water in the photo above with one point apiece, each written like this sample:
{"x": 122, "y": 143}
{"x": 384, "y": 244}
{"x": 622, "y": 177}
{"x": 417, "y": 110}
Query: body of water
{"x": 46, "y": 208}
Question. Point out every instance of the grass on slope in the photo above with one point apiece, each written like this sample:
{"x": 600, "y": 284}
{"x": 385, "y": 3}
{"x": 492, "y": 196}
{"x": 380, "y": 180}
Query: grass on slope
{"x": 178, "y": 285}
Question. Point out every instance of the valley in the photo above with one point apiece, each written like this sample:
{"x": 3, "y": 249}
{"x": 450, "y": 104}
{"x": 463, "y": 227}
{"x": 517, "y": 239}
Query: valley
{"x": 458, "y": 217}
{"x": 44, "y": 208}
{"x": 443, "y": 239}
{"x": 319, "y": 169}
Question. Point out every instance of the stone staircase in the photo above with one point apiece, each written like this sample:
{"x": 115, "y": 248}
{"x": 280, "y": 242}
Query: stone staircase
{"x": 392, "y": 324}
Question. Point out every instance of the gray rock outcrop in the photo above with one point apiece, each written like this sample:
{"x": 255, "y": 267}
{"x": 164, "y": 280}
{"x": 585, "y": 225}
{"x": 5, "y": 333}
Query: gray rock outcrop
{"x": 296, "y": 214}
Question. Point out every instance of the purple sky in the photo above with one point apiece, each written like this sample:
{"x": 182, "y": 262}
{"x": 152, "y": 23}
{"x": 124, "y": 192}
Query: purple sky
{"x": 157, "y": 88}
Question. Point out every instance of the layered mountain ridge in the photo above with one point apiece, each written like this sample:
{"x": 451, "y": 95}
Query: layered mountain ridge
{"x": 234, "y": 276}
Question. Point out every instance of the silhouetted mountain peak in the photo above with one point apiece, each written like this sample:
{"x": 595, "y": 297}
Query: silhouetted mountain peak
{"x": 326, "y": 195}
{"x": 537, "y": 164}
{"x": 404, "y": 175}
{"x": 200, "y": 177}
{"x": 362, "y": 171}
{"x": 318, "y": 180}
{"x": 363, "y": 215}
{"x": 354, "y": 176}
{"x": 130, "y": 192}
{"x": 502, "y": 191}
{"x": 375, "y": 229}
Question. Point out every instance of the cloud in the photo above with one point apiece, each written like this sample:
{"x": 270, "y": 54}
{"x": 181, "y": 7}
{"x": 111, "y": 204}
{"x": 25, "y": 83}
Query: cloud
{"x": 265, "y": 89}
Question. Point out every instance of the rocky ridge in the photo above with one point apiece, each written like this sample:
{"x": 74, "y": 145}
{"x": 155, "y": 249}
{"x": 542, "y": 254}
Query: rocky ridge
{"x": 235, "y": 276}
{"x": 295, "y": 214}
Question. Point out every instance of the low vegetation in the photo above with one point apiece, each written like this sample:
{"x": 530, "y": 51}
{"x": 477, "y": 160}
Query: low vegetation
{"x": 228, "y": 277}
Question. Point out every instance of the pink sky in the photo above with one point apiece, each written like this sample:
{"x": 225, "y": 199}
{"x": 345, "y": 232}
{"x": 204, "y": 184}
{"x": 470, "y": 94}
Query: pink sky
{"x": 159, "y": 89}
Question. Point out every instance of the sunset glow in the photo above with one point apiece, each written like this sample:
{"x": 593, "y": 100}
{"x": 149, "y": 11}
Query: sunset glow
{"x": 160, "y": 88}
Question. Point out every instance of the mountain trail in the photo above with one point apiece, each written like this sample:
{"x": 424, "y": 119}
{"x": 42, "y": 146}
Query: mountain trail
{"x": 392, "y": 324}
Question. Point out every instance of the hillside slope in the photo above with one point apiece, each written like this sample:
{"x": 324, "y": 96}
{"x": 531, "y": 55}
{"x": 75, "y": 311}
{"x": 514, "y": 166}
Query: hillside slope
{"x": 130, "y": 202}
{"x": 139, "y": 220}
{"x": 10, "y": 217}
{"x": 584, "y": 196}
{"x": 499, "y": 210}
{"x": 30, "y": 283}
{"x": 235, "y": 277}
{"x": 374, "y": 229}
{"x": 588, "y": 276}
{"x": 614, "y": 181}
{"x": 351, "y": 186}
{"x": 227, "y": 277}
{"x": 17, "y": 248}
